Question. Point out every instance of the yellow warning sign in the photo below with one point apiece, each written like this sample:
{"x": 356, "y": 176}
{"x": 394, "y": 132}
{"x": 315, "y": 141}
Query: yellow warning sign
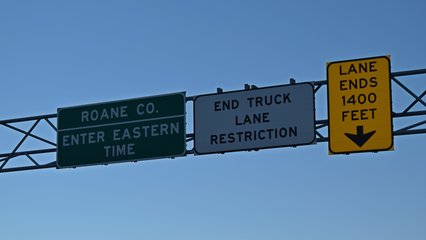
{"x": 359, "y": 105}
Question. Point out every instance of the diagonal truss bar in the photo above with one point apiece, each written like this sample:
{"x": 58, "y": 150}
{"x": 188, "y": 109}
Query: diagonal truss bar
{"x": 414, "y": 102}
{"x": 32, "y": 160}
{"x": 414, "y": 128}
{"x": 408, "y": 128}
{"x": 409, "y": 91}
{"x": 30, "y": 134}
{"x": 18, "y": 152}
{"x": 6, "y": 160}
{"x": 51, "y": 124}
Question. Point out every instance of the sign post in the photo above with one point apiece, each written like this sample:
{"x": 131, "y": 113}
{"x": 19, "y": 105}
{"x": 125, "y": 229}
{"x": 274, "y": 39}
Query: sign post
{"x": 254, "y": 119}
{"x": 120, "y": 131}
{"x": 359, "y": 105}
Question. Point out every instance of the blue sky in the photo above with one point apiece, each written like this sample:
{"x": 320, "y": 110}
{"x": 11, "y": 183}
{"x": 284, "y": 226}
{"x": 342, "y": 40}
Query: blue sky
{"x": 64, "y": 53}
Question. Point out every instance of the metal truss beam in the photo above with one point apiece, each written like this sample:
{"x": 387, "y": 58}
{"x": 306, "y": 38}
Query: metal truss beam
{"x": 7, "y": 160}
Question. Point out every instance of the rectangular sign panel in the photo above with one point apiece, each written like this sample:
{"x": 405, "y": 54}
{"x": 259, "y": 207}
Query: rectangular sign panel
{"x": 120, "y": 131}
{"x": 359, "y": 105}
{"x": 254, "y": 119}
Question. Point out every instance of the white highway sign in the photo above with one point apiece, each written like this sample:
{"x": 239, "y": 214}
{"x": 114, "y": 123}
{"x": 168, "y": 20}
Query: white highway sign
{"x": 254, "y": 119}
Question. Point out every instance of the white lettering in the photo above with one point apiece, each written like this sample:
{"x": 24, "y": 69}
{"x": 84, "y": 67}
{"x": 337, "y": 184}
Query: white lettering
{"x": 84, "y": 116}
{"x": 119, "y": 150}
{"x": 154, "y": 130}
{"x": 174, "y": 128}
{"x": 149, "y": 108}
{"x": 65, "y": 140}
{"x": 104, "y": 114}
{"x": 83, "y": 138}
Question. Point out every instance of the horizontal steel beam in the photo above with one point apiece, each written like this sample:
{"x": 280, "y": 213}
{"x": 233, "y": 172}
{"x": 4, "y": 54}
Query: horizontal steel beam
{"x": 25, "y": 119}
{"x": 31, "y": 152}
{"x": 408, "y": 73}
{"x": 26, "y": 168}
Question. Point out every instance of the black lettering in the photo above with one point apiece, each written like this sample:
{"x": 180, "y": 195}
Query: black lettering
{"x": 362, "y": 68}
{"x": 286, "y": 97}
{"x": 247, "y": 120}
{"x": 238, "y": 123}
{"x": 343, "y": 85}
{"x": 373, "y": 82}
{"x": 372, "y": 66}
{"x": 362, "y": 98}
{"x": 226, "y": 105}
{"x": 372, "y": 97}
{"x": 293, "y": 131}
{"x": 359, "y": 68}
{"x": 276, "y": 99}
{"x": 363, "y": 83}
{"x": 235, "y": 104}
{"x": 262, "y": 134}
{"x": 364, "y": 114}
{"x": 372, "y": 110}
{"x": 341, "y": 72}
{"x": 240, "y": 135}
{"x": 265, "y": 117}
{"x": 352, "y": 69}
{"x": 247, "y": 135}
{"x": 354, "y": 115}
{"x": 270, "y": 132}
{"x": 359, "y": 114}
{"x": 259, "y": 101}
{"x": 250, "y": 99}
{"x": 344, "y": 115}
{"x": 257, "y": 118}
{"x": 213, "y": 139}
{"x": 216, "y": 106}
{"x": 283, "y": 132}
{"x": 222, "y": 139}
{"x": 231, "y": 137}
{"x": 353, "y": 84}
{"x": 268, "y": 100}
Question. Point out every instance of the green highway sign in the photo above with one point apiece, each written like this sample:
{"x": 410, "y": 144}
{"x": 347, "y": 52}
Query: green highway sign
{"x": 120, "y": 131}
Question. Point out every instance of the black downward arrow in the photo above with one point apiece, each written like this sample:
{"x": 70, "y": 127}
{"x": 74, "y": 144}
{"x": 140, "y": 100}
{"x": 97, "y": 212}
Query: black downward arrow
{"x": 360, "y": 138}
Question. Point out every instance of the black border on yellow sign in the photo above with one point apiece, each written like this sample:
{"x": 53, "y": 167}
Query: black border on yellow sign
{"x": 328, "y": 107}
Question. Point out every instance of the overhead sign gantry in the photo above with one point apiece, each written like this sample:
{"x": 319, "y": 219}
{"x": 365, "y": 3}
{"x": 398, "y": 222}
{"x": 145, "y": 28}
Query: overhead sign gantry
{"x": 360, "y": 119}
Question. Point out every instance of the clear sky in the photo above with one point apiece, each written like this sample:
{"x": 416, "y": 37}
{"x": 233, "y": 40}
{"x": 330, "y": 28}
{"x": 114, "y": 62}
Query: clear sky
{"x": 63, "y": 53}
